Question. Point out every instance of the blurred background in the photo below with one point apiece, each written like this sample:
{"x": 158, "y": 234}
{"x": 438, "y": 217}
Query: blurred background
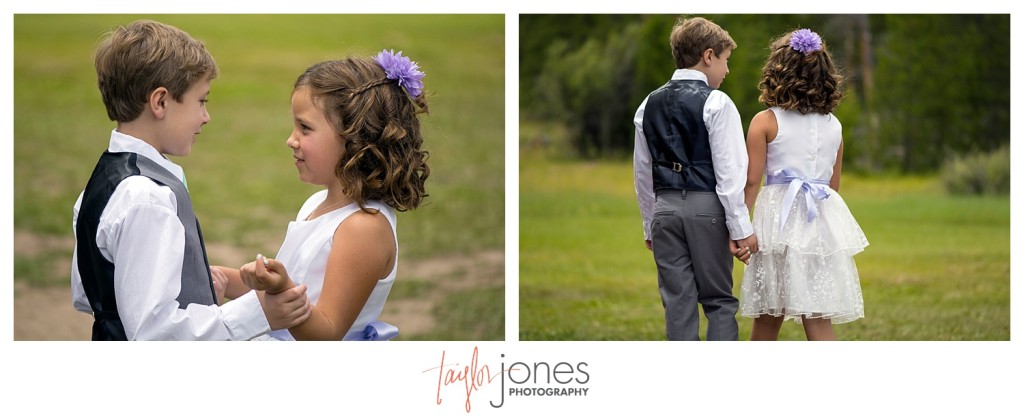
{"x": 243, "y": 184}
{"x": 926, "y": 169}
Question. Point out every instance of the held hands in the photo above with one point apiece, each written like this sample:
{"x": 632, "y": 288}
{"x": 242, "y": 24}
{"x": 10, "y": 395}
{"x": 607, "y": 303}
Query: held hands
{"x": 266, "y": 274}
{"x": 744, "y": 248}
{"x": 284, "y": 304}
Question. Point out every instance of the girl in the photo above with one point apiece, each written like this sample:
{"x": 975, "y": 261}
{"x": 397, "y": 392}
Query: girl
{"x": 804, "y": 269}
{"x": 356, "y": 132}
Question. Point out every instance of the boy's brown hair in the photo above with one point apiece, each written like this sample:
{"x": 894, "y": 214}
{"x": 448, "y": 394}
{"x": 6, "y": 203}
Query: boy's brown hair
{"x": 132, "y": 61}
{"x": 691, "y": 37}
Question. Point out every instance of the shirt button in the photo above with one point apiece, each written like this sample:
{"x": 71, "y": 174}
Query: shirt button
{"x": 714, "y": 221}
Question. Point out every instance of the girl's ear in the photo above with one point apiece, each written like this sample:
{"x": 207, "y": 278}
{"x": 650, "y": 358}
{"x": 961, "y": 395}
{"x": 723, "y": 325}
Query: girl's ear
{"x": 158, "y": 102}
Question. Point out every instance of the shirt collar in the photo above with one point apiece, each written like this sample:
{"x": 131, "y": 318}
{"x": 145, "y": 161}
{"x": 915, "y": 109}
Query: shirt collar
{"x": 688, "y": 74}
{"x": 120, "y": 142}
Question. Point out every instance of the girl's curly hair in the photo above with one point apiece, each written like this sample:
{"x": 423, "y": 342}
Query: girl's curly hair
{"x": 810, "y": 83}
{"x": 378, "y": 125}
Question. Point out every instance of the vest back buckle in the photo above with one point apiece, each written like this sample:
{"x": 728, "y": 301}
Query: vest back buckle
{"x": 677, "y": 167}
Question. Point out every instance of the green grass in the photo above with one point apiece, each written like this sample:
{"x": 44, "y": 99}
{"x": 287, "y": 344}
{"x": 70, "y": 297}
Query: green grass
{"x": 938, "y": 267}
{"x": 465, "y": 321}
{"x": 243, "y": 184}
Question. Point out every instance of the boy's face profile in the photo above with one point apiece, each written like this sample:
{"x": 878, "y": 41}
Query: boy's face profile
{"x": 183, "y": 121}
{"x": 717, "y": 68}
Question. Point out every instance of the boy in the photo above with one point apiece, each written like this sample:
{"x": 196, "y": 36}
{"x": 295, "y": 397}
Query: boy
{"x": 140, "y": 265}
{"x": 690, "y": 168}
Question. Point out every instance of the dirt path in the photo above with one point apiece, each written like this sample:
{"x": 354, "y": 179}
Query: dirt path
{"x": 45, "y": 313}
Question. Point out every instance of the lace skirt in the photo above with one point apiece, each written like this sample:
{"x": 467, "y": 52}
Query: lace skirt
{"x": 805, "y": 269}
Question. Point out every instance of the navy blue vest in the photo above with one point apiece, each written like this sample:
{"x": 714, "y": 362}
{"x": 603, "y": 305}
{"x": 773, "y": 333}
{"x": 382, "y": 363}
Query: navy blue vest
{"x": 678, "y": 138}
{"x": 98, "y": 274}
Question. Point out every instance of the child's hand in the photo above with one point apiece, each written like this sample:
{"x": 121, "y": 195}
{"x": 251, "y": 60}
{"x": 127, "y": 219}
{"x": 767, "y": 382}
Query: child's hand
{"x": 286, "y": 309}
{"x": 266, "y": 274}
{"x": 220, "y": 283}
{"x": 743, "y": 254}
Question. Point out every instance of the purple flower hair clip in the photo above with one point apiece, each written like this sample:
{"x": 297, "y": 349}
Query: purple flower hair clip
{"x": 805, "y": 41}
{"x": 402, "y": 69}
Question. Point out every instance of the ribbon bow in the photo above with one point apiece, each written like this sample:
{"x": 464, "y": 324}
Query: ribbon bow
{"x": 379, "y": 331}
{"x": 816, "y": 189}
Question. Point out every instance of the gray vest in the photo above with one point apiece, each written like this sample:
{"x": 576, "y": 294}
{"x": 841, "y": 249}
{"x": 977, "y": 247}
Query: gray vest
{"x": 677, "y": 137}
{"x": 98, "y": 273}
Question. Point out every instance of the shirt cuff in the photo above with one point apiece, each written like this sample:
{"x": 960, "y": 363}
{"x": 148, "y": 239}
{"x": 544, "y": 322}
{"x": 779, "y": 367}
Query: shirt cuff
{"x": 244, "y": 317}
{"x": 740, "y": 229}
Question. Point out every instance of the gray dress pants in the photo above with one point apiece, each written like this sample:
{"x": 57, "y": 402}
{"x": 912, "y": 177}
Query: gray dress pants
{"x": 691, "y": 247}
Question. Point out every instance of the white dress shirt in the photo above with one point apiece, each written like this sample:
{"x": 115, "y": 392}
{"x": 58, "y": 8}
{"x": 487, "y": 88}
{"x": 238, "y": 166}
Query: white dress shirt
{"x": 728, "y": 155}
{"x": 139, "y": 231}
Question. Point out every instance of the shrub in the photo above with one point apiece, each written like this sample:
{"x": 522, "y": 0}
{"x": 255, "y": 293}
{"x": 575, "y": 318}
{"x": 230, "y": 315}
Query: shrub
{"x": 978, "y": 173}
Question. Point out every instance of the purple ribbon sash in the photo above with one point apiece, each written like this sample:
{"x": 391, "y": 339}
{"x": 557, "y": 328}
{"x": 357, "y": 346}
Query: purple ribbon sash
{"x": 379, "y": 331}
{"x": 816, "y": 189}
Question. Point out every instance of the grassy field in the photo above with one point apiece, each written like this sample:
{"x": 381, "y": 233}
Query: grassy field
{"x": 243, "y": 184}
{"x": 938, "y": 267}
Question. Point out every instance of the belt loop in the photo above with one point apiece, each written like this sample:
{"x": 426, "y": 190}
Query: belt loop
{"x": 683, "y": 193}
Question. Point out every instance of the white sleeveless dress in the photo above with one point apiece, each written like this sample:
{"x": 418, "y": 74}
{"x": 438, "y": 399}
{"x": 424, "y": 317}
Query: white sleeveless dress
{"x": 805, "y": 267}
{"x": 304, "y": 254}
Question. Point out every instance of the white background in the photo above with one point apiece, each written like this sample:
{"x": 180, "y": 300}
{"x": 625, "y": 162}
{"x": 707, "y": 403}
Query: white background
{"x": 791, "y": 378}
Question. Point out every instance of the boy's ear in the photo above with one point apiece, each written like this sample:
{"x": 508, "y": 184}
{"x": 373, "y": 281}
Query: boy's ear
{"x": 707, "y": 56}
{"x": 158, "y": 102}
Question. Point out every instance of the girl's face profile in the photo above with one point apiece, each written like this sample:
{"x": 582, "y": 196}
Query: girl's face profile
{"x": 315, "y": 146}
